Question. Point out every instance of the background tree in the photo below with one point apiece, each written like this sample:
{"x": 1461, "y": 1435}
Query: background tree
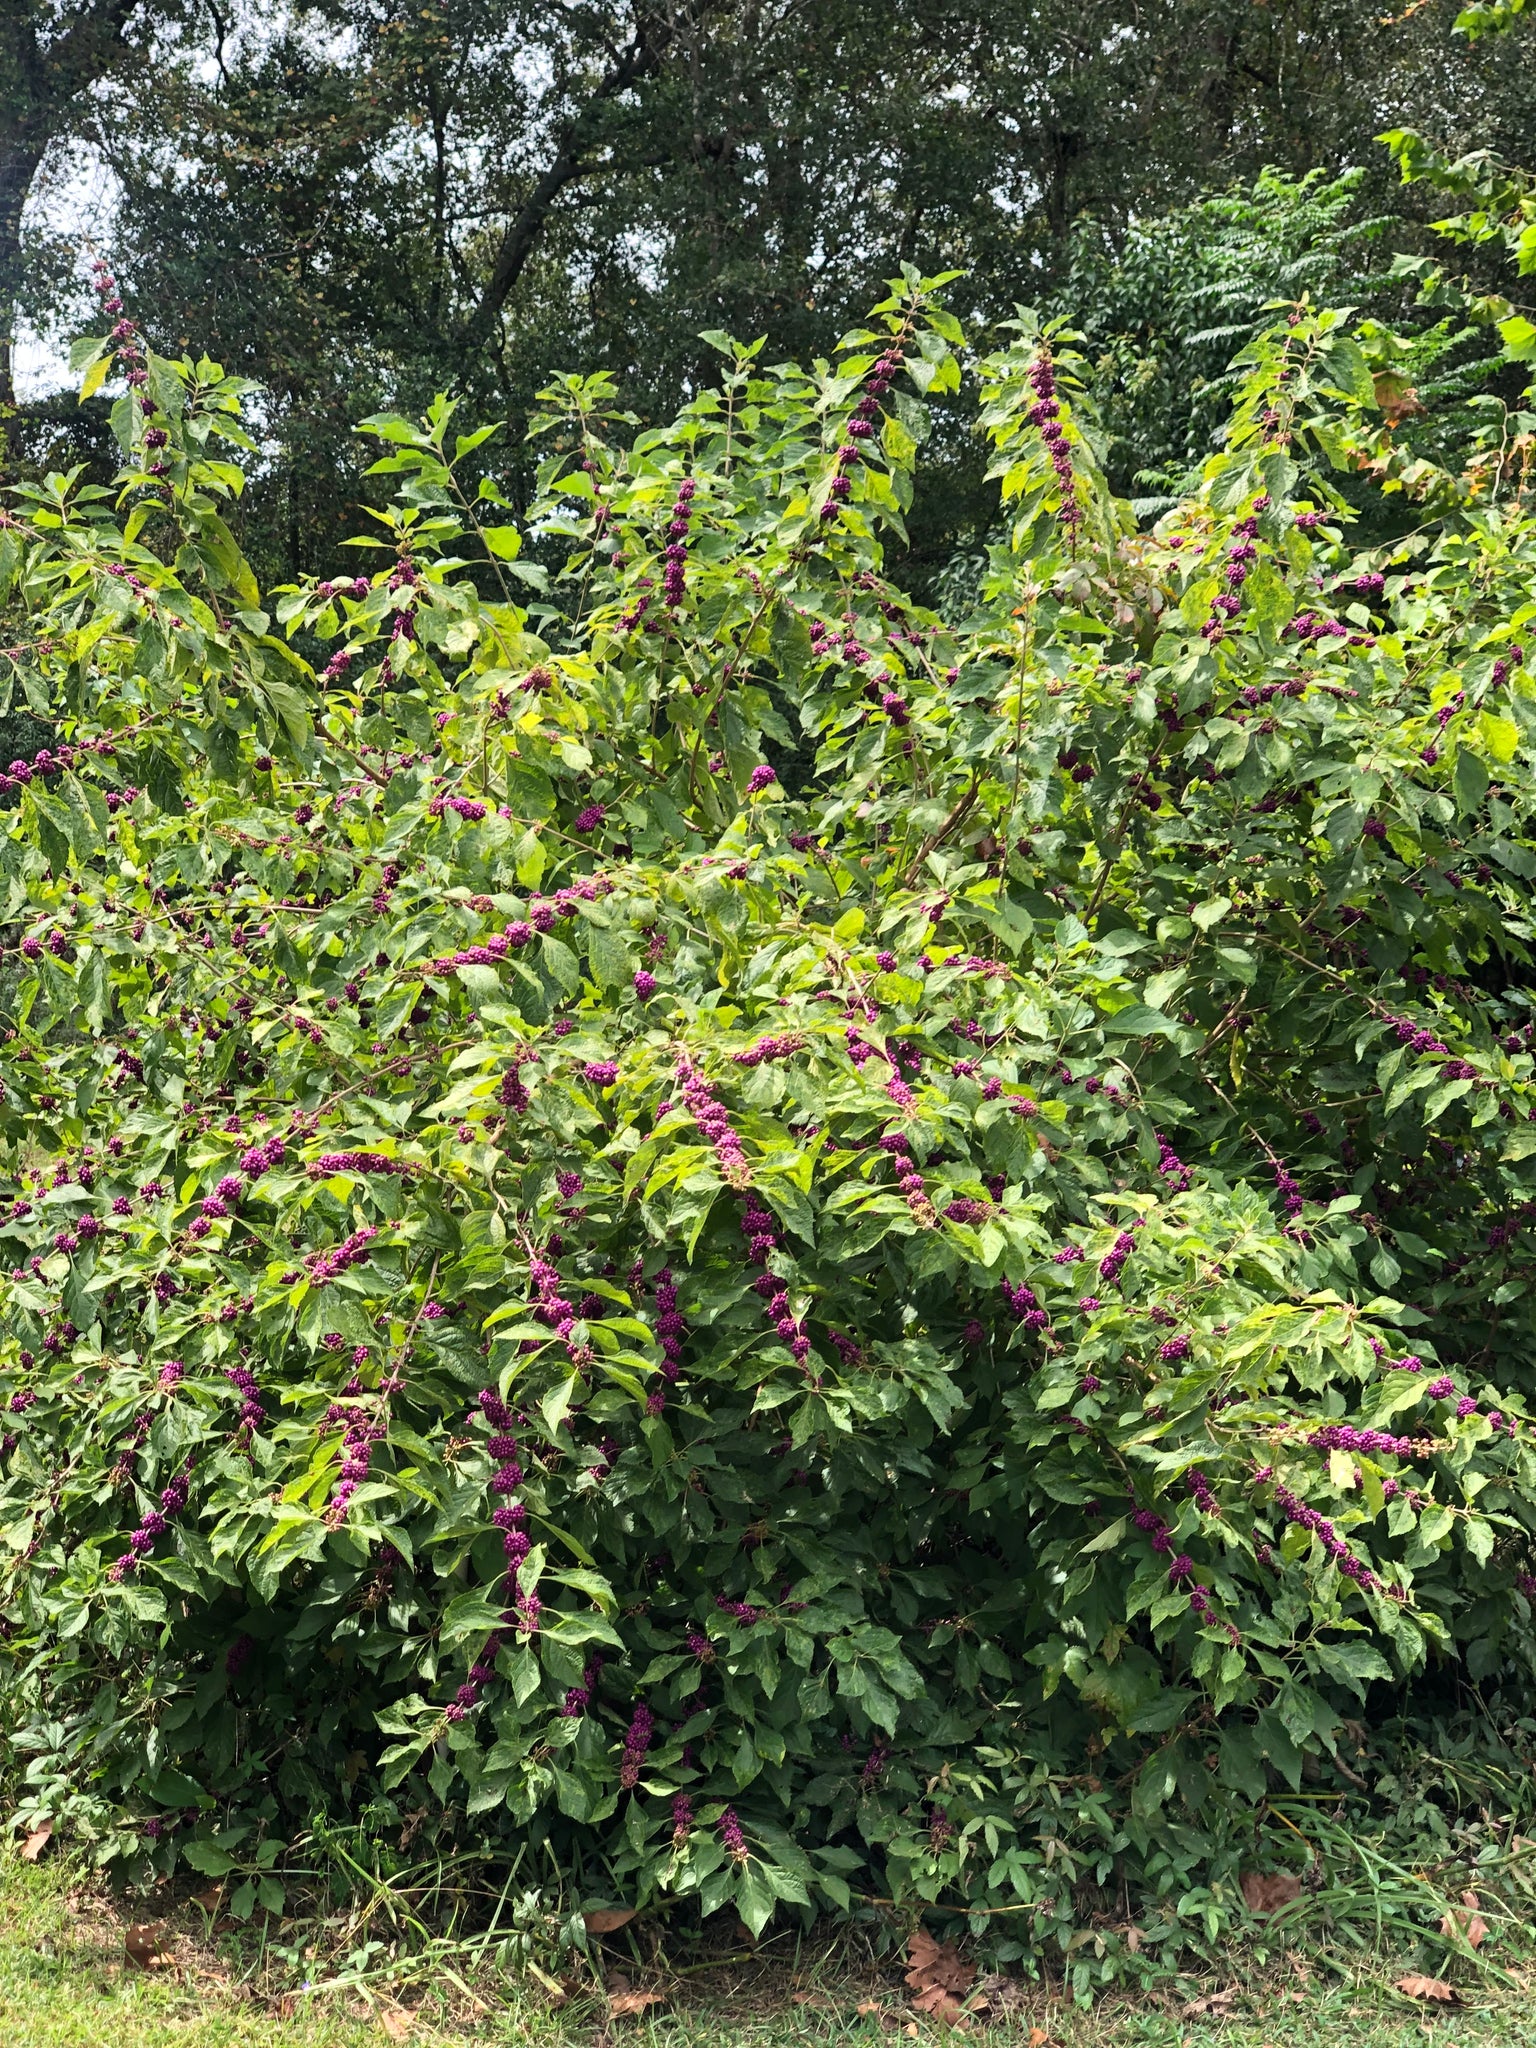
{"x": 357, "y": 206}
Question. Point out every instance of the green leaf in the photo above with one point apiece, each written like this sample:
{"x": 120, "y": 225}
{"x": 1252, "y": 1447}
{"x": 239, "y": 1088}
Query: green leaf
{"x": 1469, "y": 779}
{"x": 204, "y": 1856}
{"x": 1211, "y": 912}
{"x": 612, "y": 962}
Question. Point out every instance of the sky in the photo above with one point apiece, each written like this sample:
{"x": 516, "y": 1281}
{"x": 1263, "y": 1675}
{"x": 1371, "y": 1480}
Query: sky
{"x": 74, "y": 197}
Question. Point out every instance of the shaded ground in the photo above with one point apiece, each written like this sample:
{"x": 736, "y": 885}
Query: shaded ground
{"x": 68, "y": 1979}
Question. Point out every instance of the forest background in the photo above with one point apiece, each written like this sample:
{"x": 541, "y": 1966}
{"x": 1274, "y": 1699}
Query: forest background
{"x": 357, "y": 206}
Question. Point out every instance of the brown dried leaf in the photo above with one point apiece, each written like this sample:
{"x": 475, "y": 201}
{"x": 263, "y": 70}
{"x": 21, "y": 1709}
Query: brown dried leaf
{"x": 1217, "y": 2002}
{"x": 37, "y": 1841}
{"x": 1470, "y": 1924}
{"x": 1414, "y": 1986}
{"x": 396, "y": 2024}
{"x": 817, "y": 2001}
{"x": 1266, "y": 1891}
{"x": 1396, "y": 396}
{"x": 939, "y": 2004}
{"x": 608, "y": 1919}
{"x": 210, "y": 1898}
{"x": 145, "y": 1948}
{"x": 933, "y": 1963}
{"x": 629, "y": 2002}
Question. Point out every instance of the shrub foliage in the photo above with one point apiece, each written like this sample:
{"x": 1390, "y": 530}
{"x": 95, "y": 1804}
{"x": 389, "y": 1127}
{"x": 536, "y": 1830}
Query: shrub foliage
{"x": 797, "y": 1250}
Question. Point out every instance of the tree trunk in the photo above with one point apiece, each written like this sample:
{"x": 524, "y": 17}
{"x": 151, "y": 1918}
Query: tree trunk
{"x": 39, "y": 82}
{"x": 19, "y": 160}
{"x": 641, "y": 56}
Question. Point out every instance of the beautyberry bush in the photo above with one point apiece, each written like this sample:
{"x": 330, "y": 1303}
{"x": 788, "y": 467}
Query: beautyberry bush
{"x": 795, "y": 1250}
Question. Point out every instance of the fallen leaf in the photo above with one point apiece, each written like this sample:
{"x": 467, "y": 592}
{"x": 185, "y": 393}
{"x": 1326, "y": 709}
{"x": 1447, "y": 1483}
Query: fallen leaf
{"x": 1134, "y": 1937}
{"x": 146, "y": 1949}
{"x": 934, "y": 1999}
{"x": 1413, "y": 1986}
{"x": 817, "y": 2001}
{"x": 37, "y": 1841}
{"x": 210, "y": 1898}
{"x": 1266, "y": 1891}
{"x": 1217, "y": 2002}
{"x": 396, "y": 2024}
{"x": 608, "y": 1919}
{"x": 629, "y": 2002}
{"x": 1470, "y": 1924}
{"x": 933, "y": 1963}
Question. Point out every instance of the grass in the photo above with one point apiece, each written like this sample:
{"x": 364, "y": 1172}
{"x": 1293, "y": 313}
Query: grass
{"x": 67, "y": 1981}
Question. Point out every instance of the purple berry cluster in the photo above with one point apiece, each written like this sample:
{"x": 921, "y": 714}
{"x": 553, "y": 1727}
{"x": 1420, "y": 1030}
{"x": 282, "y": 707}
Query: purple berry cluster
{"x": 481, "y": 1672}
{"x": 579, "y": 1697}
{"x": 1414, "y": 1036}
{"x": 637, "y": 1741}
{"x": 708, "y": 1112}
{"x": 1175, "y": 1173}
{"x": 1045, "y": 415}
{"x": 671, "y": 1329}
{"x": 781, "y": 1047}
{"x": 1200, "y": 1487}
{"x": 740, "y": 1610}
{"x": 258, "y": 1159}
{"x": 324, "y": 1267}
{"x": 153, "y": 1525}
{"x": 1228, "y": 602}
{"x": 358, "y": 1439}
{"x": 491, "y": 954}
{"x": 859, "y": 430}
{"x": 252, "y": 1408}
{"x": 1114, "y": 1259}
{"x": 675, "y": 554}
{"x": 1341, "y": 1436}
{"x": 757, "y": 1227}
{"x": 1337, "y": 1551}
{"x": 908, "y": 1179}
{"x": 1025, "y": 1304}
{"x": 357, "y": 1162}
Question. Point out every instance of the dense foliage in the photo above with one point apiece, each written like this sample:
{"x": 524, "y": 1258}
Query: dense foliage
{"x": 678, "y": 1210}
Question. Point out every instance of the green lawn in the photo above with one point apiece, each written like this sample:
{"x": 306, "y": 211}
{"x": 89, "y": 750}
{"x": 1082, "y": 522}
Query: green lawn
{"x": 66, "y": 1982}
